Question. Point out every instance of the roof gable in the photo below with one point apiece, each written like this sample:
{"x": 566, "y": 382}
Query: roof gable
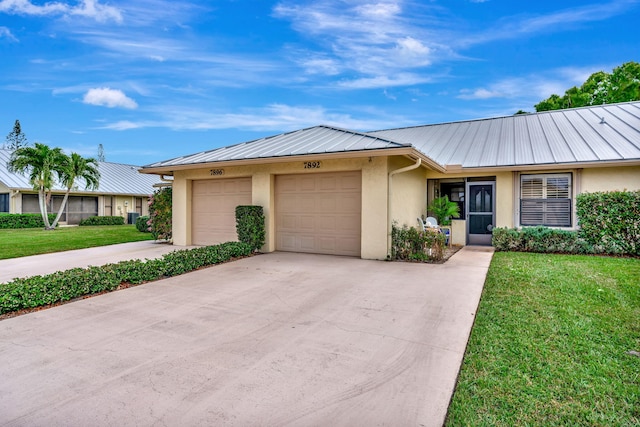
{"x": 314, "y": 140}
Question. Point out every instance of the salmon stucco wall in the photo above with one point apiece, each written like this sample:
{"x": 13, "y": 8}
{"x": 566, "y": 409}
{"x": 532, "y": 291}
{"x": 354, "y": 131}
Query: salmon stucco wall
{"x": 620, "y": 178}
{"x": 374, "y": 196}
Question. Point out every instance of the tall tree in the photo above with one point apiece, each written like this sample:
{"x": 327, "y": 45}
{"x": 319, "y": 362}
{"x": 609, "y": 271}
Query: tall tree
{"x": 75, "y": 166}
{"x": 44, "y": 165}
{"x": 622, "y": 85}
{"x": 101, "y": 153}
{"x": 16, "y": 137}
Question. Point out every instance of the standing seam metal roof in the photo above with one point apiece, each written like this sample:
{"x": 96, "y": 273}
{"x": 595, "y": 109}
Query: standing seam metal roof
{"x": 580, "y": 135}
{"x": 115, "y": 178}
{"x": 315, "y": 140}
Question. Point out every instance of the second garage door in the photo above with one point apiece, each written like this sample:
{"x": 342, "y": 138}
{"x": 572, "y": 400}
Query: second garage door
{"x": 214, "y": 209}
{"x": 319, "y": 213}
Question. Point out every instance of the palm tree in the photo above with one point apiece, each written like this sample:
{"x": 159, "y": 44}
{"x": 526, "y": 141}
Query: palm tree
{"x": 43, "y": 164}
{"x": 76, "y": 167}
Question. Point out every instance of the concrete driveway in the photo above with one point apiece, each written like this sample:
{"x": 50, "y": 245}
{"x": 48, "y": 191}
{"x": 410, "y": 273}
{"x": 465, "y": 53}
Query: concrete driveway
{"x": 277, "y": 339}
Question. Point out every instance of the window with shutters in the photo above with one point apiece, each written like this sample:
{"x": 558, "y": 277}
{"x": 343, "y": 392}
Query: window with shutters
{"x": 545, "y": 199}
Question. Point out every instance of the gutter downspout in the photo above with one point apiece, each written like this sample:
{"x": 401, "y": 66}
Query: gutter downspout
{"x": 165, "y": 182}
{"x": 390, "y": 194}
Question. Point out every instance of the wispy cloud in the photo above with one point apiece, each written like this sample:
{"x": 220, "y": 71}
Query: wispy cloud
{"x": 6, "y": 33}
{"x": 535, "y": 86}
{"x": 273, "y": 117}
{"x": 375, "y": 40}
{"x": 511, "y": 27}
{"x": 108, "y": 97}
{"x": 86, "y": 8}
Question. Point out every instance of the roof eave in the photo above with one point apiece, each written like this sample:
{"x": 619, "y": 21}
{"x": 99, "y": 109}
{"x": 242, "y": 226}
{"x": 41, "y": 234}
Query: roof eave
{"x": 395, "y": 151}
{"x": 544, "y": 166}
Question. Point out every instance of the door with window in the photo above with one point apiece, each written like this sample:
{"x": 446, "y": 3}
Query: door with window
{"x": 480, "y": 212}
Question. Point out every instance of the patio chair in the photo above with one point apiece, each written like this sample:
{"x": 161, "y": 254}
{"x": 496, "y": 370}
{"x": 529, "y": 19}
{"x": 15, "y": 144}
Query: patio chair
{"x": 431, "y": 222}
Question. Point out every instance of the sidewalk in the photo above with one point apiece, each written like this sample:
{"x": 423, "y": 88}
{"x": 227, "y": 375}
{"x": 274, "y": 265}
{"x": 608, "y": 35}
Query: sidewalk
{"x": 50, "y": 263}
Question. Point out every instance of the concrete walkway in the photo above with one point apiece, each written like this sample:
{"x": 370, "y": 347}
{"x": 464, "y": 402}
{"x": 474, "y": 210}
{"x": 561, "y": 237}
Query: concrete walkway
{"x": 272, "y": 340}
{"x": 50, "y": 263}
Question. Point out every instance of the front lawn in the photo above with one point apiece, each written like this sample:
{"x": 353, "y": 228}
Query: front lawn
{"x": 551, "y": 344}
{"x": 30, "y": 241}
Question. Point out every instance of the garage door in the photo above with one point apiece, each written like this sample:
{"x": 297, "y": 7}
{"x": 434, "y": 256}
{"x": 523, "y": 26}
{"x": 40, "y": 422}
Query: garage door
{"x": 319, "y": 213}
{"x": 213, "y": 209}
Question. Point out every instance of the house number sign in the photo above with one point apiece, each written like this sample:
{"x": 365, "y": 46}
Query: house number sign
{"x": 312, "y": 165}
{"x": 216, "y": 172}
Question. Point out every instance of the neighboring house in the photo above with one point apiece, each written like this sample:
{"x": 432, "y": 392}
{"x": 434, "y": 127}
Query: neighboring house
{"x": 122, "y": 191}
{"x": 336, "y": 191}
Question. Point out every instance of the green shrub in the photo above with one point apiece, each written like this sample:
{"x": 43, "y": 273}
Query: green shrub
{"x": 142, "y": 224}
{"x": 37, "y": 291}
{"x": 103, "y": 220}
{"x": 611, "y": 220}
{"x": 160, "y": 213}
{"x": 23, "y": 220}
{"x": 541, "y": 240}
{"x": 411, "y": 244}
{"x": 250, "y": 226}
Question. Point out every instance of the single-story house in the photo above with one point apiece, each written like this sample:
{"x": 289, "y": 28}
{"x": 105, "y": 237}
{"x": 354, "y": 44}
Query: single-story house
{"x": 336, "y": 191}
{"x": 122, "y": 191}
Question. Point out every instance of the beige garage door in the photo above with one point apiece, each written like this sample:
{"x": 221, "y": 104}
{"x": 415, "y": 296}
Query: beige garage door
{"x": 319, "y": 213}
{"x": 213, "y": 209}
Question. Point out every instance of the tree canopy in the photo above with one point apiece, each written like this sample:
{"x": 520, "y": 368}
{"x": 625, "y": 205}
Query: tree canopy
{"x": 16, "y": 138}
{"x": 44, "y": 165}
{"x": 621, "y": 85}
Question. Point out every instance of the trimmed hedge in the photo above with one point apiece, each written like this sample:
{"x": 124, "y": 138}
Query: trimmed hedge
{"x": 103, "y": 220}
{"x": 611, "y": 220}
{"x": 250, "y": 226}
{"x": 411, "y": 244}
{"x": 23, "y": 220}
{"x": 38, "y": 291}
{"x": 141, "y": 224}
{"x": 541, "y": 240}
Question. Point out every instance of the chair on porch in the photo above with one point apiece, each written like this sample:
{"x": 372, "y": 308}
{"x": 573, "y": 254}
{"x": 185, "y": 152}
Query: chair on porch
{"x": 429, "y": 222}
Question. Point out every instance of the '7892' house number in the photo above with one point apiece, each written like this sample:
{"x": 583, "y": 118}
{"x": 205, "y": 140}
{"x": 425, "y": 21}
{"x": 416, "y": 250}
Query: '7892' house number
{"x": 312, "y": 165}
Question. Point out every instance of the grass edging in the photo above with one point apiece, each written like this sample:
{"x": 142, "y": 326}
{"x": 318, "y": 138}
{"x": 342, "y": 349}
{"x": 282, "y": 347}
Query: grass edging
{"x": 554, "y": 343}
{"x": 38, "y": 291}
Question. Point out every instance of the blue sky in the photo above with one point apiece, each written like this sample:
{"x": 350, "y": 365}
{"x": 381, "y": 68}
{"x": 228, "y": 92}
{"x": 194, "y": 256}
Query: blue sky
{"x": 155, "y": 79}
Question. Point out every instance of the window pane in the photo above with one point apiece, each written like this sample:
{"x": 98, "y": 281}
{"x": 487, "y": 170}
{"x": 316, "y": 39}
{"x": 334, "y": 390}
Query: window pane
{"x": 532, "y": 188}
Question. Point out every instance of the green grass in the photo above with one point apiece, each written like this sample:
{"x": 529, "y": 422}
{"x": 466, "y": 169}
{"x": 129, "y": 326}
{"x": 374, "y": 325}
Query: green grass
{"x": 24, "y": 242}
{"x": 550, "y": 344}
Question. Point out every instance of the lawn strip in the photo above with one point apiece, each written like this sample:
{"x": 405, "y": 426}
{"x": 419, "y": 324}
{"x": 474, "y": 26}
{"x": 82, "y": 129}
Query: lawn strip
{"x": 16, "y": 243}
{"x": 551, "y": 342}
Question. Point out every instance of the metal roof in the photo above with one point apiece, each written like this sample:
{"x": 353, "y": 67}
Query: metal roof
{"x": 580, "y": 135}
{"x": 315, "y": 140}
{"x": 115, "y": 178}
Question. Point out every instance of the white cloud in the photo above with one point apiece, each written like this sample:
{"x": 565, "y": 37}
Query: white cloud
{"x": 86, "y": 8}
{"x": 270, "y": 118}
{"x": 404, "y": 79}
{"x": 108, "y": 97}
{"x": 375, "y": 40}
{"x": 480, "y": 93}
{"x": 534, "y": 87}
{"x": 560, "y": 20}
{"x": 6, "y": 33}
